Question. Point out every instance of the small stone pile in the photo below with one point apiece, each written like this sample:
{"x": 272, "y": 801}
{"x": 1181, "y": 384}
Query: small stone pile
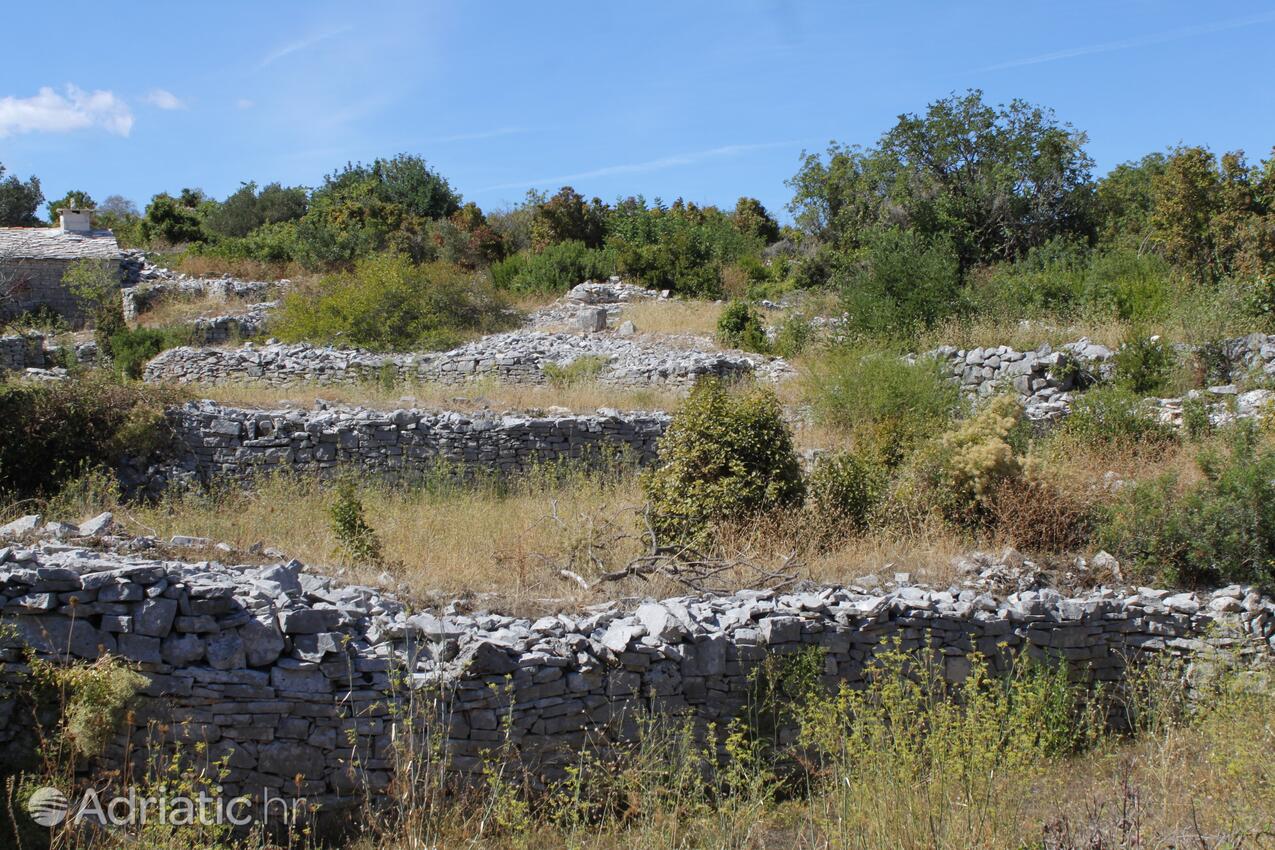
{"x": 155, "y": 283}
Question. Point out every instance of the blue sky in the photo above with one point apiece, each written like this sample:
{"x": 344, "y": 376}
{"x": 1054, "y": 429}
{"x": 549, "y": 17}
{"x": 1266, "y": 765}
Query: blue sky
{"x": 704, "y": 100}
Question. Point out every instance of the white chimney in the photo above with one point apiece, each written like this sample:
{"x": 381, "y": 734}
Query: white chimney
{"x": 75, "y": 220}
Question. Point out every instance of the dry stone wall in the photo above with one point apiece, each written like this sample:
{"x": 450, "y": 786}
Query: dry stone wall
{"x": 216, "y": 442}
{"x": 285, "y": 673}
{"x": 517, "y": 357}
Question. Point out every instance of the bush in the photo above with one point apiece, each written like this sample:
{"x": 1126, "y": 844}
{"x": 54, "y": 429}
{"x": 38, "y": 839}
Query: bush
{"x": 727, "y": 455}
{"x": 555, "y": 269}
{"x": 904, "y": 282}
{"x": 739, "y": 326}
{"x": 51, "y": 433}
{"x": 97, "y": 286}
{"x": 961, "y": 470}
{"x": 843, "y": 490}
{"x": 1219, "y": 531}
{"x": 350, "y": 525}
{"x": 1114, "y": 415}
{"x": 792, "y": 337}
{"x": 133, "y": 348}
{"x": 389, "y": 304}
{"x": 888, "y": 405}
{"x": 1145, "y": 365}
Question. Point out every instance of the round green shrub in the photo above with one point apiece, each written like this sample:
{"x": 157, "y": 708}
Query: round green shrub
{"x": 727, "y": 455}
{"x": 739, "y": 326}
{"x": 844, "y": 489}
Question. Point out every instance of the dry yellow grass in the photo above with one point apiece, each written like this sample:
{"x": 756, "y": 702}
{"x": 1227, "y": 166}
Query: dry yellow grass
{"x": 182, "y": 311}
{"x": 674, "y": 317}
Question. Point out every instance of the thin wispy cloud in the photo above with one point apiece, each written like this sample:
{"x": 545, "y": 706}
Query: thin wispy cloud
{"x": 1138, "y": 41}
{"x": 244, "y": 103}
{"x": 478, "y": 135}
{"x": 49, "y": 111}
{"x": 164, "y": 99}
{"x": 674, "y": 161}
{"x": 298, "y": 46}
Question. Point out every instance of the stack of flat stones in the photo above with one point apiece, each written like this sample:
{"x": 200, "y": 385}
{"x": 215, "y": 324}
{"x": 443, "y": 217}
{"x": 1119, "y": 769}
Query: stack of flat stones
{"x": 517, "y": 357}
{"x": 215, "y": 442}
{"x": 290, "y": 674}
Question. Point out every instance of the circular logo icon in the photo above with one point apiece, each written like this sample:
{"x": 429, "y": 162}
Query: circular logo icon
{"x": 47, "y": 806}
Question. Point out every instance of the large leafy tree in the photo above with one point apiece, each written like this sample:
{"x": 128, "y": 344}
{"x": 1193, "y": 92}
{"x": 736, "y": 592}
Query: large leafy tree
{"x": 1125, "y": 200}
{"x": 247, "y": 209}
{"x": 1215, "y": 216}
{"x": 567, "y": 217}
{"x": 19, "y": 200}
{"x": 367, "y": 208}
{"x": 997, "y": 181}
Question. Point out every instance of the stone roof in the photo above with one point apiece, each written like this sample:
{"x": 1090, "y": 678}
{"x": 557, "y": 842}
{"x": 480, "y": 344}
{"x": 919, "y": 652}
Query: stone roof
{"x": 53, "y": 243}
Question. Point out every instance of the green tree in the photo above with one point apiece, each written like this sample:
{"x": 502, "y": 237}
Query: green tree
{"x": 364, "y": 209}
{"x": 1125, "y": 200}
{"x": 247, "y": 209}
{"x": 74, "y": 199}
{"x": 752, "y": 219}
{"x": 19, "y": 200}
{"x": 172, "y": 221}
{"x": 996, "y": 181}
{"x": 902, "y": 281}
{"x": 566, "y": 217}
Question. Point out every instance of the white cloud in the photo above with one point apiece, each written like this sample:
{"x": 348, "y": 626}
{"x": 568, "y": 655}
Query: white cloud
{"x": 164, "y": 99}
{"x": 641, "y": 167}
{"x": 50, "y": 112}
{"x": 298, "y": 46}
{"x": 1139, "y": 41}
{"x": 244, "y": 103}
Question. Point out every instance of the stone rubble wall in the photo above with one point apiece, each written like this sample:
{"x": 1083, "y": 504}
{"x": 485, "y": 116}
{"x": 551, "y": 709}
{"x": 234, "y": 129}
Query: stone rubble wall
{"x": 1047, "y": 379}
{"x": 154, "y": 283}
{"x": 217, "y": 330}
{"x": 213, "y": 442}
{"x": 34, "y": 350}
{"x": 515, "y": 357}
{"x": 284, "y": 673}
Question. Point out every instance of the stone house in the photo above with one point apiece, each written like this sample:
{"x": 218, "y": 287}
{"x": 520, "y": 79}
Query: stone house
{"x": 34, "y": 259}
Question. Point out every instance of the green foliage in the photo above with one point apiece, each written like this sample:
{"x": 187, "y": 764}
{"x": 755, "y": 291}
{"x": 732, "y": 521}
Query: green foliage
{"x": 1125, "y": 200}
{"x": 1136, "y": 287}
{"x": 727, "y": 455}
{"x": 566, "y": 217}
{"x": 904, "y": 281}
{"x": 993, "y": 181}
{"x": 1114, "y": 415}
{"x": 555, "y": 269}
{"x": 739, "y": 326}
{"x": 246, "y": 209}
{"x": 93, "y": 697}
{"x": 350, "y": 525}
{"x": 51, "y": 433}
{"x": 794, "y": 334}
{"x": 887, "y": 405}
{"x": 74, "y": 199}
{"x": 132, "y": 348}
{"x": 1145, "y": 365}
{"x": 174, "y": 221}
{"x": 96, "y": 283}
{"x": 579, "y": 371}
{"x": 390, "y": 304}
{"x": 364, "y": 209}
{"x": 19, "y": 200}
{"x": 753, "y": 220}
{"x": 959, "y": 472}
{"x": 844, "y": 489}
{"x": 1219, "y": 531}
{"x": 682, "y": 248}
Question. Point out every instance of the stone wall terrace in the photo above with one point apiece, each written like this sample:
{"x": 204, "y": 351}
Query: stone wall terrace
{"x": 284, "y": 672}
